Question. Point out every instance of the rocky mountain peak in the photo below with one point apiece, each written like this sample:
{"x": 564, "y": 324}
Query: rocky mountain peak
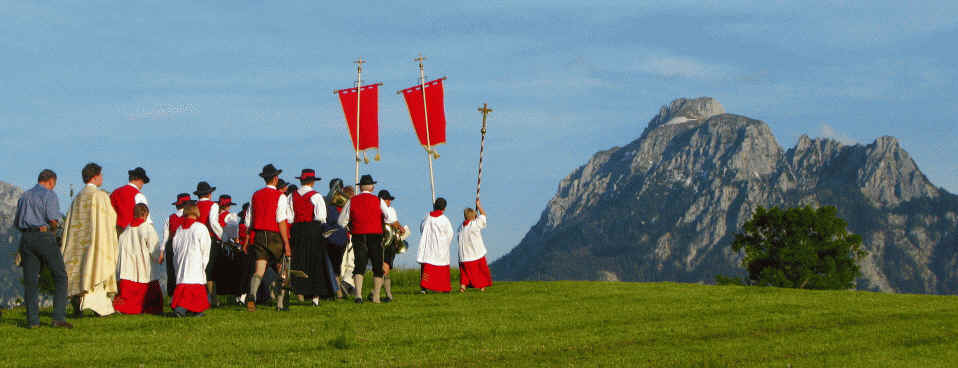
{"x": 683, "y": 110}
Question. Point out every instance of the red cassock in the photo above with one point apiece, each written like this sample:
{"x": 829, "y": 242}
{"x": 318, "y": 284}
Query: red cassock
{"x": 435, "y": 278}
{"x": 137, "y": 297}
{"x": 475, "y": 274}
{"x": 192, "y": 297}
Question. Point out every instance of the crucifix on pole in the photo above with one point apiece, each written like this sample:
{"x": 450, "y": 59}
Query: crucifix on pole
{"x": 359, "y": 85}
{"x": 485, "y": 110}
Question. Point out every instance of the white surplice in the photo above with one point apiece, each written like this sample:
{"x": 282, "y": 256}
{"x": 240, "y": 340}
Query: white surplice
{"x": 436, "y": 235}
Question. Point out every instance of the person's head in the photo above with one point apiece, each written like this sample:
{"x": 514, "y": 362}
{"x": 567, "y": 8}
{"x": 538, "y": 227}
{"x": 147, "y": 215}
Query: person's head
{"x": 348, "y": 191}
{"x": 307, "y": 177}
{"x": 366, "y": 183}
{"x": 440, "y": 204}
{"x": 92, "y": 174}
{"x": 204, "y": 190}
{"x": 224, "y": 202}
{"x": 47, "y": 179}
{"x": 282, "y": 185}
{"x": 138, "y": 177}
{"x": 191, "y": 210}
{"x": 367, "y": 188}
{"x": 270, "y": 174}
{"x": 181, "y": 200}
{"x": 469, "y": 214}
{"x": 386, "y": 196}
{"x": 141, "y": 211}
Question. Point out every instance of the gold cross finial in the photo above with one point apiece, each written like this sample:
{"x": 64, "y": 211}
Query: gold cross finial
{"x": 420, "y": 58}
{"x": 485, "y": 109}
{"x": 359, "y": 63}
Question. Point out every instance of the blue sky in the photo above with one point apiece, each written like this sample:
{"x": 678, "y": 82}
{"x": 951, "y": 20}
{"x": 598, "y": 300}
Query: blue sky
{"x": 214, "y": 91}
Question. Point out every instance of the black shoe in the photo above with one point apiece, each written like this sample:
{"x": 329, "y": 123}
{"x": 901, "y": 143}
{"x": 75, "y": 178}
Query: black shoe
{"x": 387, "y": 299}
{"x": 358, "y": 300}
{"x": 31, "y": 326}
{"x": 370, "y": 297}
{"x": 284, "y": 308}
{"x": 61, "y": 324}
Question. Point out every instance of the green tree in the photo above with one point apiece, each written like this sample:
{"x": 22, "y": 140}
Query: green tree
{"x": 802, "y": 248}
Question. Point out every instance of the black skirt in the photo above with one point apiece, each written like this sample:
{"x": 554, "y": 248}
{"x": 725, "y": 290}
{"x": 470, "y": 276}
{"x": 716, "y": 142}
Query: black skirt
{"x": 309, "y": 256}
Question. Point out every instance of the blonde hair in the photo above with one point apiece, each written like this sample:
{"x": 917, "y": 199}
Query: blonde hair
{"x": 191, "y": 210}
{"x": 469, "y": 214}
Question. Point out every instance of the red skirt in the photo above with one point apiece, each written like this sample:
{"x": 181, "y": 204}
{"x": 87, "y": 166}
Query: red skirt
{"x": 475, "y": 273}
{"x": 192, "y": 297}
{"x": 136, "y": 297}
{"x": 435, "y": 278}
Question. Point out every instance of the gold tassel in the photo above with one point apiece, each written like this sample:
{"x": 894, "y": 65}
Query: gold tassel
{"x": 365, "y": 159}
{"x": 377, "y": 155}
{"x": 435, "y": 155}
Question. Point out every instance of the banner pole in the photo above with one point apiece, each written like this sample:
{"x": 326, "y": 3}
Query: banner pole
{"x": 485, "y": 110}
{"x": 359, "y": 85}
{"x": 422, "y": 84}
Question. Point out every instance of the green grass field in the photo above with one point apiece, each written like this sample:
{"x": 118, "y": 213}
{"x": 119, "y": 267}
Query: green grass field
{"x": 523, "y": 324}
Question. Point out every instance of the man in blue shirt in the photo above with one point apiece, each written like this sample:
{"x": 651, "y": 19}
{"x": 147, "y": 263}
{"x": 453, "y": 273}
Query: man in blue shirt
{"x": 38, "y": 215}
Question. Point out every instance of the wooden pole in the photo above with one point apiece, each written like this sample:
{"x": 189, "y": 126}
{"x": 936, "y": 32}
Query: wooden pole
{"x": 429, "y": 153}
{"x": 359, "y": 86}
{"x": 485, "y": 110}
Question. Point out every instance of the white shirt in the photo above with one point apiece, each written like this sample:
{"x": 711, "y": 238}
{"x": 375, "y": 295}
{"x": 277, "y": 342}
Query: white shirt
{"x": 136, "y": 249}
{"x": 140, "y": 198}
{"x": 214, "y": 218}
{"x": 166, "y": 232}
{"x": 282, "y": 210}
{"x": 390, "y": 216}
{"x": 231, "y": 231}
{"x": 436, "y": 235}
{"x": 319, "y": 205}
{"x": 289, "y": 207}
{"x": 191, "y": 252}
{"x": 471, "y": 246}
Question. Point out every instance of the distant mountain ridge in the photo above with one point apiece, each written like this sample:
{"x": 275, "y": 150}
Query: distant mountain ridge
{"x": 665, "y": 206}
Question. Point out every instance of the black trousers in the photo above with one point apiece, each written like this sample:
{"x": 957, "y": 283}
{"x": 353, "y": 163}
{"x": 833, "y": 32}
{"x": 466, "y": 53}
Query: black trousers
{"x": 368, "y": 248}
{"x": 36, "y": 250}
{"x": 170, "y": 270}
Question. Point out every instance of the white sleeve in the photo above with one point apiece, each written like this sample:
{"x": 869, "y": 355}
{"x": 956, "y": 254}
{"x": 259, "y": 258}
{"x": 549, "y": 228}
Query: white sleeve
{"x": 344, "y": 215}
{"x": 389, "y": 215}
{"x": 205, "y": 244}
{"x": 215, "y": 220}
{"x": 481, "y": 221}
{"x": 166, "y": 235}
{"x": 282, "y": 209}
{"x": 248, "y": 220}
{"x": 319, "y": 208}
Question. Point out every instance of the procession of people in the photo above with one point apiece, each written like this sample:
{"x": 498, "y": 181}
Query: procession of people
{"x": 287, "y": 242}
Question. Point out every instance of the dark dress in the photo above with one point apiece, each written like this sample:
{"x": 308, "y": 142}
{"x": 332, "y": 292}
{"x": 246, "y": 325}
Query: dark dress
{"x": 309, "y": 255}
{"x": 336, "y": 242}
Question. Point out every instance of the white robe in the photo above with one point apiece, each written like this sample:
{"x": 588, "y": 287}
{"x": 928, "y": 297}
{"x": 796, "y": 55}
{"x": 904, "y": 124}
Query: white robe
{"x": 471, "y": 246}
{"x": 191, "y": 252}
{"x": 138, "y": 252}
{"x": 436, "y": 235}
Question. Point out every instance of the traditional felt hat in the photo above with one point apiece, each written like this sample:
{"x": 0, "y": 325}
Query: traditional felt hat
{"x": 366, "y": 180}
{"x": 181, "y": 199}
{"x": 269, "y": 171}
{"x": 225, "y": 200}
{"x": 281, "y": 184}
{"x": 139, "y": 173}
{"x": 204, "y": 188}
{"x": 384, "y": 194}
{"x": 308, "y": 174}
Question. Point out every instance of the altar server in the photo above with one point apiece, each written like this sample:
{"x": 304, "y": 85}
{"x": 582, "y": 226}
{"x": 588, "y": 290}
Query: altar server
{"x": 473, "y": 269}
{"x": 433, "y": 256}
{"x": 191, "y": 252}
{"x": 166, "y": 247}
{"x": 139, "y": 287}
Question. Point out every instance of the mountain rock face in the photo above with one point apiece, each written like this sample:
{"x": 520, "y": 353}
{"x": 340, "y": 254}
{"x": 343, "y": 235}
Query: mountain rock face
{"x": 11, "y": 286}
{"x": 666, "y": 206}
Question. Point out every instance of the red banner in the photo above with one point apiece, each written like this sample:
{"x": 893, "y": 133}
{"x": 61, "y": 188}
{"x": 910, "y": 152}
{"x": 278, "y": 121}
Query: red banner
{"x": 436, "y": 112}
{"x": 368, "y": 116}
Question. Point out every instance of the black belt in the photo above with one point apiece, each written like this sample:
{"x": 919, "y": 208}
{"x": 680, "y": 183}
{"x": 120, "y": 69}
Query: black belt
{"x": 31, "y": 230}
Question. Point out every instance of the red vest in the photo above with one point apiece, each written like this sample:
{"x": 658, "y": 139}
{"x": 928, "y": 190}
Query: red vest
{"x": 174, "y": 224}
{"x": 303, "y": 208}
{"x": 123, "y": 200}
{"x": 205, "y": 207}
{"x": 365, "y": 215}
{"x": 265, "y": 202}
{"x": 223, "y": 218}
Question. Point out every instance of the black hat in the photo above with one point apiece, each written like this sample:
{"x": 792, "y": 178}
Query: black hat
{"x": 308, "y": 174}
{"x": 181, "y": 199}
{"x": 281, "y": 184}
{"x": 139, "y": 173}
{"x": 384, "y": 194}
{"x": 366, "y": 180}
{"x": 225, "y": 200}
{"x": 204, "y": 188}
{"x": 269, "y": 171}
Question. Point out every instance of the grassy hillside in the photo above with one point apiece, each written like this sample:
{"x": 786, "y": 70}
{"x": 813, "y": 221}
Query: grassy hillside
{"x": 524, "y": 324}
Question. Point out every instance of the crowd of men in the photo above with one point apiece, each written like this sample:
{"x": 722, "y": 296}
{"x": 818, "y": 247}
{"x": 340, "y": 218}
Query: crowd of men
{"x": 287, "y": 240}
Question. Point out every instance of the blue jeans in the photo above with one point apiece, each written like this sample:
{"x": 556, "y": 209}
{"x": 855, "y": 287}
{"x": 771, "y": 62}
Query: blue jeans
{"x": 37, "y": 250}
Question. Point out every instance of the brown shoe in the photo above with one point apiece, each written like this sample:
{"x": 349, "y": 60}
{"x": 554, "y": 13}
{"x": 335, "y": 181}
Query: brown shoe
{"x": 250, "y": 306}
{"x": 61, "y": 324}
